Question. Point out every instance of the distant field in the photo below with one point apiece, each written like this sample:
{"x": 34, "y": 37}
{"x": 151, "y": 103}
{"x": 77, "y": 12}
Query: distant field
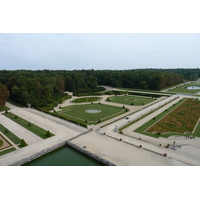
{"x": 131, "y": 100}
{"x": 183, "y": 89}
{"x": 80, "y": 112}
{"x": 86, "y": 99}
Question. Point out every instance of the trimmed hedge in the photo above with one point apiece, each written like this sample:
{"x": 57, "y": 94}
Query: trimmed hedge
{"x": 145, "y": 94}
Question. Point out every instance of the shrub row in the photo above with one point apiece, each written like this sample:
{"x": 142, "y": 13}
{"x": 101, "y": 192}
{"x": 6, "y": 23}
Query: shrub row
{"x": 145, "y": 94}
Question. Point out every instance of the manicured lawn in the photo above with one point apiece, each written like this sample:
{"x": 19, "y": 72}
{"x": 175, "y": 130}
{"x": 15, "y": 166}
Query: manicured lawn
{"x": 1, "y": 143}
{"x": 182, "y": 119}
{"x": 7, "y": 151}
{"x": 78, "y": 112}
{"x": 26, "y": 124}
{"x": 197, "y": 130}
{"x": 4, "y": 108}
{"x": 10, "y": 135}
{"x": 86, "y": 99}
{"x": 183, "y": 89}
{"x": 130, "y": 100}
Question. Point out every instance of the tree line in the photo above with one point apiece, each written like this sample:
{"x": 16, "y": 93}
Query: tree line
{"x": 46, "y": 87}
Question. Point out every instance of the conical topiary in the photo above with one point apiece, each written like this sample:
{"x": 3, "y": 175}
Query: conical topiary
{"x": 48, "y": 134}
{"x": 23, "y": 143}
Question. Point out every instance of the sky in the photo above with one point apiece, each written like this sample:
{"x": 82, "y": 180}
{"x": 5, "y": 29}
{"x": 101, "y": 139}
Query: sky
{"x": 116, "y": 51}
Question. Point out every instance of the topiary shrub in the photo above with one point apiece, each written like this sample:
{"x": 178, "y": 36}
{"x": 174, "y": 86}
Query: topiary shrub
{"x": 16, "y": 116}
{"x": 23, "y": 143}
{"x": 29, "y": 124}
{"x": 48, "y": 134}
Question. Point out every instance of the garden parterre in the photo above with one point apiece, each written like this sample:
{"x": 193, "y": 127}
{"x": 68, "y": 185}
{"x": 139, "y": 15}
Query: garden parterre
{"x": 182, "y": 119}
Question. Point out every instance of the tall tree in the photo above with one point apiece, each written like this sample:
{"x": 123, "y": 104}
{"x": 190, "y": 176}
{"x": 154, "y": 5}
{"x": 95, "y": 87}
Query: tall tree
{"x": 4, "y": 94}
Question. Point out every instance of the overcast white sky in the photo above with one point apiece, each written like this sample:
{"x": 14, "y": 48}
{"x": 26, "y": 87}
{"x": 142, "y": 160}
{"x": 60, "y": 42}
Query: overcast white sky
{"x": 99, "y": 51}
{"x": 106, "y": 34}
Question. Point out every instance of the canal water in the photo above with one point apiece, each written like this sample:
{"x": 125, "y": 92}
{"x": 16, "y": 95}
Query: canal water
{"x": 64, "y": 156}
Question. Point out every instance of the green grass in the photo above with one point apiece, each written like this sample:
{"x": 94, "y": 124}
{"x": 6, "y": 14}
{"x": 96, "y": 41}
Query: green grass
{"x": 197, "y": 130}
{"x": 130, "y": 100}
{"x": 10, "y": 135}
{"x": 184, "y": 90}
{"x": 1, "y": 143}
{"x": 86, "y": 99}
{"x": 29, "y": 126}
{"x": 142, "y": 129}
{"x": 3, "y": 108}
{"x": 78, "y": 112}
{"x": 7, "y": 151}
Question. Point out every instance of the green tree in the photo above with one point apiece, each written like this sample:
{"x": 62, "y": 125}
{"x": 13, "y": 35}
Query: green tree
{"x": 4, "y": 94}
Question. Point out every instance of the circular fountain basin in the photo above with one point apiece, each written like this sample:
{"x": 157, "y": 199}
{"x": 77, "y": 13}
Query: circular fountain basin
{"x": 93, "y": 111}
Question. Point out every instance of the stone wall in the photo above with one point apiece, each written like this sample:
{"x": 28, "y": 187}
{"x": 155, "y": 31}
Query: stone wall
{"x": 94, "y": 156}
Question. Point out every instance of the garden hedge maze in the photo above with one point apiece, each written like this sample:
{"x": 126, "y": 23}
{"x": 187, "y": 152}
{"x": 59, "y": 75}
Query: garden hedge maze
{"x": 182, "y": 119}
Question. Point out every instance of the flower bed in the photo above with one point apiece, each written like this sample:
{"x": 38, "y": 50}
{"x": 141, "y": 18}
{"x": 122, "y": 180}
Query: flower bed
{"x": 182, "y": 119}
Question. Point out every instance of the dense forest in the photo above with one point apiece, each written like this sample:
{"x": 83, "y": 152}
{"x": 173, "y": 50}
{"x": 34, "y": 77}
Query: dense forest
{"x": 45, "y": 87}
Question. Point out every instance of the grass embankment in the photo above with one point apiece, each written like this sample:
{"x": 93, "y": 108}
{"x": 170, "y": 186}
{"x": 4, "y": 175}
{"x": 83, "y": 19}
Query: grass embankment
{"x": 29, "y": 126}
{"x": 142, "y": 129}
